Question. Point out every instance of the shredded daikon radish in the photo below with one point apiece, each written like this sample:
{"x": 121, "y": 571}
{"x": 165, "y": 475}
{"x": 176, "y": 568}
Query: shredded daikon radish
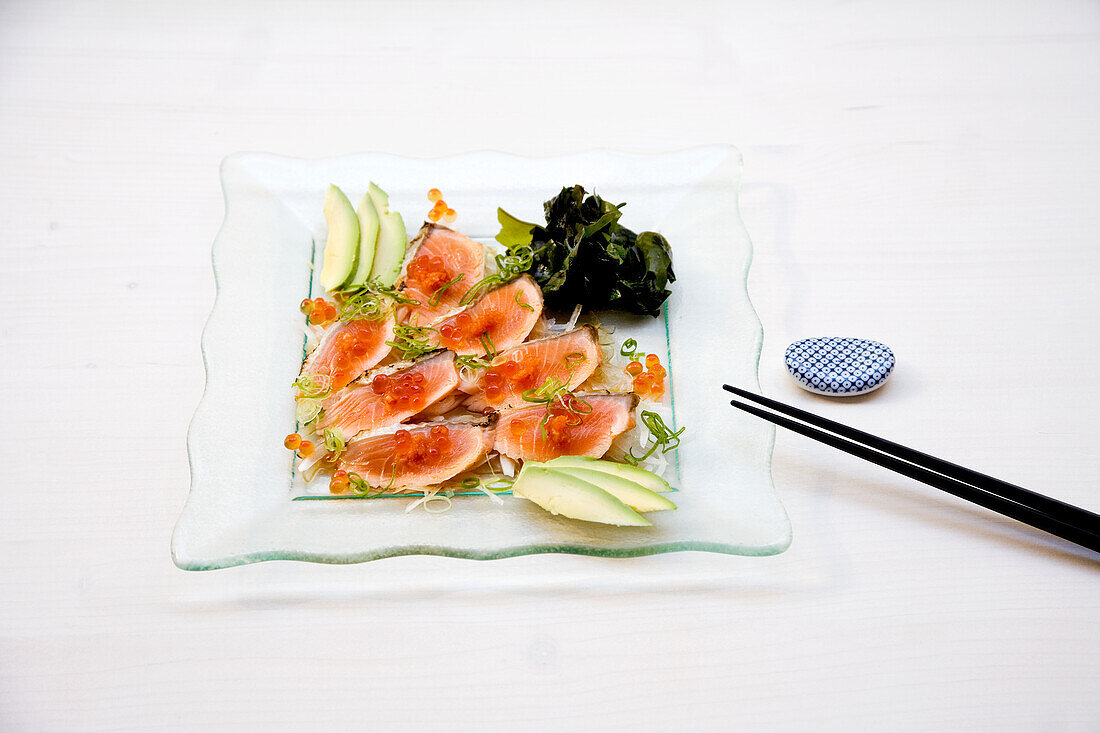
{"x": 573, "y": 318}
{"x": 489, "y": 493}
{"x": 437, "y": 497}
{"x": 428, "y": 494}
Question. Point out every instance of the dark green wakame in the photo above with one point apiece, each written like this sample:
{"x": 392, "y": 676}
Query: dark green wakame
{"x": 583, "y": 255}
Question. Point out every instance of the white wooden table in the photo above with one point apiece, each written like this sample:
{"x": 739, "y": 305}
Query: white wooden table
{"x": 924, "y": 174}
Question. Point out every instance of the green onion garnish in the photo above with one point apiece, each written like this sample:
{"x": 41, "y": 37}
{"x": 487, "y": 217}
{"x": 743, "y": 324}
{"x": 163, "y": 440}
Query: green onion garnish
{"x": 661, "y": 434}
{"x": 509, "y": 266}
{"x": 434, "y": 300}
{"x": 334, "y": 442}
{"x": 412, "y": 341}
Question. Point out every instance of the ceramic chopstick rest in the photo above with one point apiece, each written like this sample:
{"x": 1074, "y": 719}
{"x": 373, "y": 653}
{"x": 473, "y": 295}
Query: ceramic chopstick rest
{"x": 839, "y": 367}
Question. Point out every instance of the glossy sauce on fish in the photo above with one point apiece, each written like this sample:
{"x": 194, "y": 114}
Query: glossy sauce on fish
{"x": 418, "y": 456}
{"x": 443, "y": 267}
{"x": 349, "y": 348}
{"x": 536, "y": 434}
{"x": 498, "y": 320}
{"x": 568, "y": 359}
{"x": 390, "y": 395}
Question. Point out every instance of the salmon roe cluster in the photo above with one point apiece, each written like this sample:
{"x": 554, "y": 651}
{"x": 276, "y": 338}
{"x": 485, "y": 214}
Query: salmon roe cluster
{"x": 440, "y": 210}
{"x": 318, "y": 311}
{"x": 465, "y": 328}
{"x": 427, "y": 274}
{"x": 295, "y": 442}
{"x": 340, "y": 481}
{"x": 648, "y": 382}
{"x": 422, "y": 446}
{"x": 349, "y": 345}
{"x": 511, "y": 373}
{"x": 400, "y": 391}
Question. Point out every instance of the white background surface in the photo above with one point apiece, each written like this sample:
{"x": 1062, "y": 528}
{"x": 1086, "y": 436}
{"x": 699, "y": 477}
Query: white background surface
{"x": 923, "y": 174}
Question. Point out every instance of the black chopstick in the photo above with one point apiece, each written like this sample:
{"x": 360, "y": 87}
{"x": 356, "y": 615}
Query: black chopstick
{"x": 1050, "y": 515}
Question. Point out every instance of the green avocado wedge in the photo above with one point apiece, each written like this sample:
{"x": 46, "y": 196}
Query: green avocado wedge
{"x": 342, "y": 246}
{"x": 389, "y": 253}
{"x": 560, "y": 493}
{"x": 368, "y": 238}
{"x": 635, "y": 496}
{"x": 644, "y": 478}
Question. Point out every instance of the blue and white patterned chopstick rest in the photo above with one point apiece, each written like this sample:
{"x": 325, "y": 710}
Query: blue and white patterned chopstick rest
{"x": 839, "y": 367}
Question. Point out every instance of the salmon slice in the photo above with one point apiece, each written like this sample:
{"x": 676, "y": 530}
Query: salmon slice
{"x": 498, "y": 320}
{"x": 438, "y": 255}
{"x": 567, "y": 359}
{"x": 420, "y": 456}
{"x": 389, "y": 395}
{"x": 349, "y": 348}
{"x": 521, "y": 434}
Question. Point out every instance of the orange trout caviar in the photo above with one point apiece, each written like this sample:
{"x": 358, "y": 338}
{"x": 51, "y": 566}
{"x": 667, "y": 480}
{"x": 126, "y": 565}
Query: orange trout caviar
{"x": 509, "y": 374}
{"x": 648, "y": 383}
{"x": 305, "y": 449}
{"x": 400, "y": 391}
{"x": 427, "y": 274}
{"x": 411, "y": 448}
{"x": 292, "y": 441}
{"x": 440, "y": 210}
{"x": 318, "y": 310}
{"x": 339, "y": 484}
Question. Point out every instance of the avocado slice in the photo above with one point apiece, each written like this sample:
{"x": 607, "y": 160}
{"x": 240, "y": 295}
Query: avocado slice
{"x": 645, "y": 478}
{"x": 368, "y": 237}
{"x": 569, "y": 496}
{"x": 342, "y": 247}
{"x": 389, "y": 254}
{"x": 635, "y": 496}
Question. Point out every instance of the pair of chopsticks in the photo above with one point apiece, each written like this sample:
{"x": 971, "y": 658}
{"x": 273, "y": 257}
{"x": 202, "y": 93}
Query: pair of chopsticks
{"x": 1042, "y": 512}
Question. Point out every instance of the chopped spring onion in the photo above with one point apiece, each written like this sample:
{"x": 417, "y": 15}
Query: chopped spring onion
{"x": 509, "y": 266}
{"x": 307, "y": 410}
{"x": 438, "y": 294}
{"x": 360, "y": 486}
{"x": 437, "y": 497}
{"x": 334, "y": 442}
{"x": 555, "y": 394}
{"x": 629, "y": 348}
{"x": 373, "y": 301}
{"x": 313, "y": 386}
{"x": 488, "y": 345}
{"x": 663, "y": 437}
{"x": 521, "y": 303}
{"x": 412, "y": 341}
{"x": 473, "y": 362}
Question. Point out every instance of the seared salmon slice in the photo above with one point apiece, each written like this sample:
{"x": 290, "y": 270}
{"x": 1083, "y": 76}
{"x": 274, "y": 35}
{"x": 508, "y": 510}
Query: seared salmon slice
{"x": 389, "y": 395}
{"x": 498, "y": 320}
{"x": 441, "y": 268}
{"x": 568, "y": 359}
{"x": 537, "y": 434}
{"x": 419, "y": 456}
{"x": 349, "y": 348}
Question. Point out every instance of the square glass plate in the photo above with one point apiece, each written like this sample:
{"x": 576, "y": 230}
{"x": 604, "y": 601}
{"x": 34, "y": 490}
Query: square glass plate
{"x": 241, "y": 508}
